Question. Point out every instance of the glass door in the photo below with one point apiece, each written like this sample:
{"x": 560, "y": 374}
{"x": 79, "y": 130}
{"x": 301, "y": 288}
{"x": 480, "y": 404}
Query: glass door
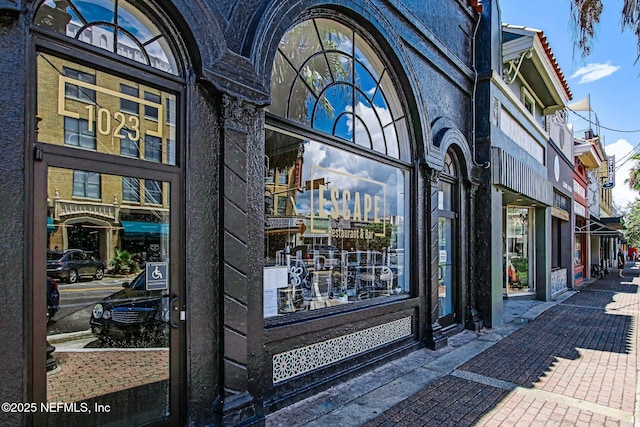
{"x": 107, "y": 197}
{"x": 518, "y": 252}
{"x": 448, "y": 259}
{"x": 445, "y": 267}
{"x": 111, "y": 298}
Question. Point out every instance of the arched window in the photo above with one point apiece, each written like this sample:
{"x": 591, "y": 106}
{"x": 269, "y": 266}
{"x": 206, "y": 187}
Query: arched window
{"x": 327, "y": 76}
{"x": 113, "y": 25}
{"x": 450, "y": 168}
{"x": 336, "y": 229}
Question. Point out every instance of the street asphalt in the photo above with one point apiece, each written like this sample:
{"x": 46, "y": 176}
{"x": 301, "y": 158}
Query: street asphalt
{"x": 569, "y": 362}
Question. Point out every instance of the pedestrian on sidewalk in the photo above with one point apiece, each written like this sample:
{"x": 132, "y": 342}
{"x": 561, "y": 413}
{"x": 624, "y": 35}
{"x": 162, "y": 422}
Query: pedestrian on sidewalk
{"x": 620, "y": 261}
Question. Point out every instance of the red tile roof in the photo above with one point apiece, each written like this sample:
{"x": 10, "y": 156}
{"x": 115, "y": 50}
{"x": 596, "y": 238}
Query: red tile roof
{"x": 554, "y": 62}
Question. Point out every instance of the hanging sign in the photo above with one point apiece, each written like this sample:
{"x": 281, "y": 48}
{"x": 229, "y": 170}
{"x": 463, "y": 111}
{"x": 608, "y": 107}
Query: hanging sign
{"x": 611, "y": 171}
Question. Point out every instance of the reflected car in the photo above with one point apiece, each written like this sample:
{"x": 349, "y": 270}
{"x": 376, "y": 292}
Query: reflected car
{"x": 133, "y": 313}
{"x": 53, "y": 298}
{"x": 73, "y": 264}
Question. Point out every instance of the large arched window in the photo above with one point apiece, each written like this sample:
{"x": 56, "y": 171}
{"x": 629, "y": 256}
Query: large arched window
{"x": 327, "y": 76}
{"x": 337, "y": 173}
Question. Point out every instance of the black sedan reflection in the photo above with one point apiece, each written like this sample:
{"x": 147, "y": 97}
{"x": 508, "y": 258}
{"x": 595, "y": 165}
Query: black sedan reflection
{"x": 132, "y": 314}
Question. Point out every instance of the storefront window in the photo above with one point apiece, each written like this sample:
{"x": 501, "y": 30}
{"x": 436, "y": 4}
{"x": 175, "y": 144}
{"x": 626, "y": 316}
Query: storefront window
{"x": 518, "y": 252}
{"x": 578, "y": 253}
{"x": 336, "y": 214}
{"x": 339, "y": 235}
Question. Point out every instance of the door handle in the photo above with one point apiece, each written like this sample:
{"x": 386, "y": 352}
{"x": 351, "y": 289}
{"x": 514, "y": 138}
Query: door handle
{"x": 173, "y": 307}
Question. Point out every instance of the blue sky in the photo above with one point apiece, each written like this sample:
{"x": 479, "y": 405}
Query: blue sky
{"x": 609, "y": 75}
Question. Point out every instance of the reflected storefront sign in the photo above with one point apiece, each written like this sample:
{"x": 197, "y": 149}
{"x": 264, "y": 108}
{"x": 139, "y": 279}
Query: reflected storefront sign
{"x": 340, "y": 239}
{"x": 118, "y": 116}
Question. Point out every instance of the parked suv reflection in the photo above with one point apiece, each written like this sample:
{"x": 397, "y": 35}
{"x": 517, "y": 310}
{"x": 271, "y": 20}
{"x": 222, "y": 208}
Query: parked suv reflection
{"x": 72, "y": 264}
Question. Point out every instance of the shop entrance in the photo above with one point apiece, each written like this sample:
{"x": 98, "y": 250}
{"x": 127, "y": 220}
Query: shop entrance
{"x": 123, "y": 312}
{"x": 518, "y": 253}
{"x": 85, "y": 237}
{"x": 448, "y": 248}
{"x": 107, "y": 203}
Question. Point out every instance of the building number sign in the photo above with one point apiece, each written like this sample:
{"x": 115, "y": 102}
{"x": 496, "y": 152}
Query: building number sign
{"x": 100, "y": 118}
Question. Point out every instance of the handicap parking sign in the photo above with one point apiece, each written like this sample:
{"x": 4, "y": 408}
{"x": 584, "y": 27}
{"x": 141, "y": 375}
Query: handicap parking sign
{"x": 157, "y": 276}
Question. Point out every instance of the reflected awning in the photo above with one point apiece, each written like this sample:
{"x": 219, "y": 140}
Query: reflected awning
{"x": 614, "y": 222}
{"x": 144, "y": 228}
{"x": 598, "y": 228}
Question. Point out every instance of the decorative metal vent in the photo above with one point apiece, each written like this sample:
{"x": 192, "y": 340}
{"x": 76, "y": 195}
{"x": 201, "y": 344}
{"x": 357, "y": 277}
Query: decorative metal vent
{"x": 305, "y": 359}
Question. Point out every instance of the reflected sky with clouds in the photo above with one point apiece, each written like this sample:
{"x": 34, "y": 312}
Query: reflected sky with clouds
{"x": 334, "y": 81}
{"x": 350, "y": 168}
{"x": 129, "y": 18}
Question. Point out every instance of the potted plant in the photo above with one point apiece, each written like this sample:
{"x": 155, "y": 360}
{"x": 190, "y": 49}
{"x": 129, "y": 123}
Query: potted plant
{"x": 123, "y": 263}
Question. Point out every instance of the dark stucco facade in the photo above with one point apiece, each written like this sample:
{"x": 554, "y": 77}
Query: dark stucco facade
{"x": 224, "y": 348}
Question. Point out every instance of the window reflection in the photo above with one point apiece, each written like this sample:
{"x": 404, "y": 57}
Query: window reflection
{"x": 115, "y": 116}
{"x": 102, "y": 239}
{"x": 335, "y": 231}
{"x": 86, "y": 184}
{"x": 445, "y": 266}
{"x": 327, "y": 77}
{"x": 77, "y": 133}
{"x": 95, "y": 23}
{"x": 78, "y": 92}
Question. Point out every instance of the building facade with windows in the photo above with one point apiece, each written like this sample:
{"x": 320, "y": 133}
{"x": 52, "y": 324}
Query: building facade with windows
{"x": 98, "y": 212}
{"x": 597, "y": 229}
{"x": 303, "y": 177}
{"x": 522, "y": 96}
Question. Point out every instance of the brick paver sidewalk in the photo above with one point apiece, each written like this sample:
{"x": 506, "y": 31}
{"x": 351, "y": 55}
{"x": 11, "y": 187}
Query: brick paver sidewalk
{"x": 574, "y": 365}
{"x": 88, "y": 374}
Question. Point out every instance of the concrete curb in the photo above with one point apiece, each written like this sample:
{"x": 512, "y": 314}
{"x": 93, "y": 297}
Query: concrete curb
{"x": 71, "y": 336}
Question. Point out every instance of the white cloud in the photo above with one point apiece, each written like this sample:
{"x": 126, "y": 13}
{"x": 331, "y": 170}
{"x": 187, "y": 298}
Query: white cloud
{"x": 593, "y": 72}
{"x": 622, "y": 194}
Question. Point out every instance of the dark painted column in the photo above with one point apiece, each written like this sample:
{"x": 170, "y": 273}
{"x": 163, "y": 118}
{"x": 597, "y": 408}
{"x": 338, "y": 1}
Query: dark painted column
{"x": 203, "y": 252}
{"x": 17, "y": 376}
{"x": 483, "y": 225}
{"x": 243, "y": 227}
{"x": 419, "y": 224}
{"x": 542, "y": 234}
{"x": 472, "y": 316}
{"x": 435, "y": 339}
